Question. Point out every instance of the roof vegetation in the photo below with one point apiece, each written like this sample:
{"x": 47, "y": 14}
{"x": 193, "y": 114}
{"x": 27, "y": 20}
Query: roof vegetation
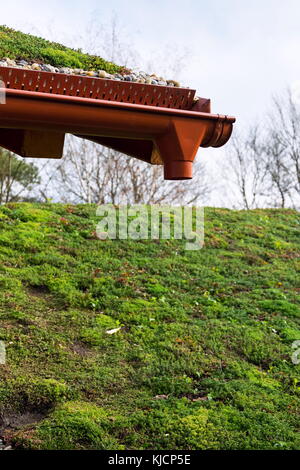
{"x": 17, "y": 45}
{"x": 143, "y": 345}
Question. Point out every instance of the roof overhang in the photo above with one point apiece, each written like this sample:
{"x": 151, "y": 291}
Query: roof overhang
{"x": 34, "y": 123}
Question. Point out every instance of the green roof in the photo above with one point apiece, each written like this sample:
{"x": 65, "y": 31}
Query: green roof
{"x": 17, "y": 45}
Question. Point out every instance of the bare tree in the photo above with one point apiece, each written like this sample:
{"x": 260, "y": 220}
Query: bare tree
{"x": 279, "y": 184}
{"x": 264, "y": 162}
{"x": 91, "y": 173}
{"x": 245, "y": 168}
{"x": 283, "y": 149}
{"x": 109, "y": 40}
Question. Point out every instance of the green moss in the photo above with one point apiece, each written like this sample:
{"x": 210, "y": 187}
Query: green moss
{"x": 17, "y": 45}
{"x": 61, "y": 58}
{"x": 77, "y": 425}
{"x": 282, "y": 306}
{"x": 33, "y": 394}
{"x": 203, "y": 356}
{"x": 290, "y": 334}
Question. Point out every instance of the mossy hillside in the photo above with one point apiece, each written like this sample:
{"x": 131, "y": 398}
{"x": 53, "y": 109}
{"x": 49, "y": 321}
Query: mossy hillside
{"x": 202, "y": 359}
{"x": 18, "y": 45}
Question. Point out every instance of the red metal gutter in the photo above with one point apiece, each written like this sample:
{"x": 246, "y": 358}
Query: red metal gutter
{"x": 34, "y": 123}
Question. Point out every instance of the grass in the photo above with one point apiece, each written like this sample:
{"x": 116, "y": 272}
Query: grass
{"x": 203, "y": 356}
{"x": 17, "y": 45}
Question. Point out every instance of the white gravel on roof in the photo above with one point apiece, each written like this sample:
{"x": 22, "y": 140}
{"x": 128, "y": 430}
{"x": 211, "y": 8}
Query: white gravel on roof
{"x": 137, "y": 77}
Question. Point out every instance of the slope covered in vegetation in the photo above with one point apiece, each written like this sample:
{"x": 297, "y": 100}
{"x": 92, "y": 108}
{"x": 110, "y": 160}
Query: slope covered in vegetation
{"x": 18, "y": 45}
{"x": 203, "y": 356}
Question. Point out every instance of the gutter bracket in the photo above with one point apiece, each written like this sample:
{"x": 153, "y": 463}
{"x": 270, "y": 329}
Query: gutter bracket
{"x": 33, "y": 144}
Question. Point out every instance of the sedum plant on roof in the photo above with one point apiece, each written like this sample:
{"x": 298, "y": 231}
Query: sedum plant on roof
{"x": 18, "y": 45}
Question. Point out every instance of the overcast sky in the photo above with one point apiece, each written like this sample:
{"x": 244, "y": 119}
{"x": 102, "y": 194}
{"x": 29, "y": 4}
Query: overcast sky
{"x": 240, "y": 53}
